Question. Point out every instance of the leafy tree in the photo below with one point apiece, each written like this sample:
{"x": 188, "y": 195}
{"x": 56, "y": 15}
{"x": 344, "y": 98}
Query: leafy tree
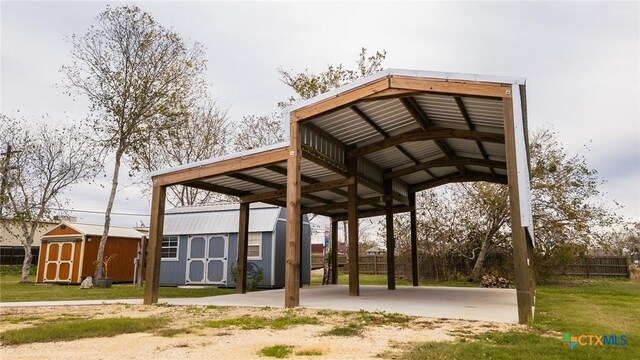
{"x": 48, "y": 161}
{"x": 139, "y": 77}
{"x": 204, "y": 133}
{"x": 471, "y": 221}
{"x": 307, "y": 85}
{"x": 257, "y": 131}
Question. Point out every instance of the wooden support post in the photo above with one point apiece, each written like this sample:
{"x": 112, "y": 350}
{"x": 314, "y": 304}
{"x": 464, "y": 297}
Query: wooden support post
{"x": 292, "y": 268}
{"x": 334, "y": 252}
{"x": 300, "y": 246}
{"x": 414, "y": 240}
{"x": 243, "y": 248}
{"x": 532, "y": 277}
{"x": 391, "y": 241}
{"x": 352, "y": 214}
{"x": 152, "y": 279}
{"x": 521, "y": 259}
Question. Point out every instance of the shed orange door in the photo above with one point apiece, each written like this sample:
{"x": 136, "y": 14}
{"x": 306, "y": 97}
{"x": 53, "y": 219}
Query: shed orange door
{"x": 59, "y": 261}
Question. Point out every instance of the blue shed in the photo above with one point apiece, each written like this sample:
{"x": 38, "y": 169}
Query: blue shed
{"x": 200, "y": 246}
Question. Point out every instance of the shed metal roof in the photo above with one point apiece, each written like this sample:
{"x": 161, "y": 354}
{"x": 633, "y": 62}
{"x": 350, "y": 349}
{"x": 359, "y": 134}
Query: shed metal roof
{"x": 97, "y": 230}
{"x": 218, "y": 219}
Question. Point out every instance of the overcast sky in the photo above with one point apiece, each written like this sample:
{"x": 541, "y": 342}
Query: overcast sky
{"x": 581, "y": 62}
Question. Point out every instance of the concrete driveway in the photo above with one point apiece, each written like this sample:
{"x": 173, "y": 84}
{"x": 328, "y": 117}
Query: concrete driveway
{"x": 498, "y": 305}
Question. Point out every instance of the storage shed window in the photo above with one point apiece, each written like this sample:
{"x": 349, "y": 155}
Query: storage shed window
{"x": 170, "y": 248}
{"x": 255, "y": 246}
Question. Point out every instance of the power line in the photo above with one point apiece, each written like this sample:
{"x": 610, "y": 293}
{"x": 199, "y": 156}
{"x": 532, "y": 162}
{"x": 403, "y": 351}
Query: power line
{"x": 98, "y": 212}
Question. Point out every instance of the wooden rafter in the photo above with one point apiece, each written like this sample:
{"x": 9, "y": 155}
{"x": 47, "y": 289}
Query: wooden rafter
{"x": 384, "y": 134}
{"x": 444, "y": 161}
{"x": 375, "y": 212}
{"x": 426, "y": 124}
{"x": 472, "y": 127}
{"x": 422, "y": 135}
{"x": 216, "y": 188}
{"x": 324, "y": 209}
{"x": 272, "y": 185}
{"x": 456, "y": 178}
{"x": 321, "y": 186}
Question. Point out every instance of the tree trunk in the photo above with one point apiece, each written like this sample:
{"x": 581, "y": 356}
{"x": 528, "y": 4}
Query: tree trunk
{"x": 107, "y": 215}
{"x": 26, "y": 263}
{"x": 482, "y": 255}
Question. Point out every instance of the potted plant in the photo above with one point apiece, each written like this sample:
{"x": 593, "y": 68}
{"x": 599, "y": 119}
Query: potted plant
{"x": 106, "y": 281}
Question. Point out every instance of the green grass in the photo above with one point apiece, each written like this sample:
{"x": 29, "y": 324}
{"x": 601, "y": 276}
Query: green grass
{"x": 309, "y": 352}
{"x": 12, "y": 290}
{"x": 276, "y": 351}
{"x": 595, "y": 307}
{"x": 251, "y": 323}
{"x": 67, "y": 330}
{"x": 346, "y": 330}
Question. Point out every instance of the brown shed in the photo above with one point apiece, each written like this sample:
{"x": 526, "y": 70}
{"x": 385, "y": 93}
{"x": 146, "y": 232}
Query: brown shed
{"x": 68, "y": 253}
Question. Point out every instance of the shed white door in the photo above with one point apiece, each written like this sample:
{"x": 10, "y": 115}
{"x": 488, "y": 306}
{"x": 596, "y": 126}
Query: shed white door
{"x": 207, "y": 259}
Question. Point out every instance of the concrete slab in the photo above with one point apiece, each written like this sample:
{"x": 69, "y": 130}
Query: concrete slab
{"x": 498, "y": 305}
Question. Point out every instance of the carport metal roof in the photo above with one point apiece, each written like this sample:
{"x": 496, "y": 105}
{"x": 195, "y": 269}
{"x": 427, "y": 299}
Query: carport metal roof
{"x": 420, "y": 129}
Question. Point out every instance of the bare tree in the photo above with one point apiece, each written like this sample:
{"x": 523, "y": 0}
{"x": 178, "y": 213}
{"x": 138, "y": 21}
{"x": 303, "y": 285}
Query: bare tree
{"x": 139, "y": 78}
{"x": 48, "y": 162}
{"x": 256, "y": 131}
{"x": 203, "y": 134}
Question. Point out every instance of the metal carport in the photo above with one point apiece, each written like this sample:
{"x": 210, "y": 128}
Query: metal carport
{"x": 365, "y": 149}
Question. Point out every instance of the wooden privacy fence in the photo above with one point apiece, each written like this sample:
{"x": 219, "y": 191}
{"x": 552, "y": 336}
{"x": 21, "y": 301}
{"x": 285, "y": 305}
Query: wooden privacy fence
{"x": 368, "y": 264}
{"x": 598, "y": 266}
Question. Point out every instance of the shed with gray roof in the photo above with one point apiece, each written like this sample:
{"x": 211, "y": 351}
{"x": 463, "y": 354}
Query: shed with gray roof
{"x": 200, "y": 246}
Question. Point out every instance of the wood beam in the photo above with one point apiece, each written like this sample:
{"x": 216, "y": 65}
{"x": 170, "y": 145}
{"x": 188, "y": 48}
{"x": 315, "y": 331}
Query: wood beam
{"x": 311, "y": 188}
{"x": 391, "y": 242}
{"x": 272, "y": 185}
{"x": 152, "y": 278}
{"x": 223, "y": 167}
{"x": 384, "y": 134}
{"x": 413, "y": 225}
{"x": 216, "y": 188}
{"x": 472, "y": 127}
{"x": 423, "y": 135}
{"x": 522, "y": 262}
{"x": 343, "y": 205}
{"x": 352, "y": 214}
{"x": 243, "y": 248}
{"x": 457, "y": 178}
{"x": 423, "y": 120}
{"x": 334, "y": 252}
{"x": 376, "y": 212}
{"x": 341, "y": 100}
{"x": 444, "y": 161}
{"x": 448, "y": 86}
{"x": 293, "y": 192}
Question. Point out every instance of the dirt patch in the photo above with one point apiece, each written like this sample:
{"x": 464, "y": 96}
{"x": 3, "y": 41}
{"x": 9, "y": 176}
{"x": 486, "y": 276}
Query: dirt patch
{"x": 186, "y": 337}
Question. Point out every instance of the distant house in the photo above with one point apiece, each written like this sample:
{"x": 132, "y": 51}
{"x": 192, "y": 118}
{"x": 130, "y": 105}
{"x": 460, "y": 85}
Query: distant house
{"x": 69, "y": 251}
{"x": 376, "y": 250}
{"x": 200, "y": 245}
{"x": 11, "y": 238}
